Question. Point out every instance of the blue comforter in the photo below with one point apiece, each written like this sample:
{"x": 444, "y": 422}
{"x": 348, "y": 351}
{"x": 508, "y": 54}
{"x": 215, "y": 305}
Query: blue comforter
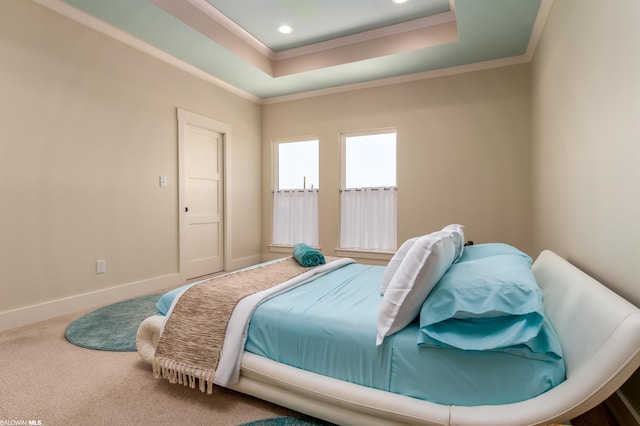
{"x": 329, "y": 326}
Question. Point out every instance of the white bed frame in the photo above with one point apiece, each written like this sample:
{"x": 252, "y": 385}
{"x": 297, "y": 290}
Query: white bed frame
{"x": 599, "y": 332}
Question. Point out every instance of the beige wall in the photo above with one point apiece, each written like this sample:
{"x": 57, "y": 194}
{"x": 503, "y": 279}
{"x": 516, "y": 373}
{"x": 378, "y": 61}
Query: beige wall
{"x": 87, "y": 126}
{"x": 586, "y": 142}
{"x": 462, "y": 152}
{"x": 586, "y": 139}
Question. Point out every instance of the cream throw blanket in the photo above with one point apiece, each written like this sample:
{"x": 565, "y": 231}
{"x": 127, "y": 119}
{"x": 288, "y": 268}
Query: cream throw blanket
{"x": 204, "y": 334}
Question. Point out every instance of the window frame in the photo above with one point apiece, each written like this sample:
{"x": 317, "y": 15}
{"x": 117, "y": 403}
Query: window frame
{"x": 372, "y": 254}
{"x": 275, "y": 175}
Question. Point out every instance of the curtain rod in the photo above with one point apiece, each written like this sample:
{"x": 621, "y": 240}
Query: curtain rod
{"x": 296, "y": 190}
{"x": 385, "y": 188}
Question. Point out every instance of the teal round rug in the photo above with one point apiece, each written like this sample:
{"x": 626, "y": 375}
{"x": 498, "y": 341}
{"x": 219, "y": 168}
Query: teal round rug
{"x": 289, "y": 421}
{"x": 113, "y": 327}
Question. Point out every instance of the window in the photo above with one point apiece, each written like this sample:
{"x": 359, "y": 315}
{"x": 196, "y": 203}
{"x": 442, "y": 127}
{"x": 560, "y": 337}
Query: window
{"x": 368, "y": 196}
{"x": 295, "y": 195}
{"x": 297, "y": 165}
{"x": 370, "y": 160}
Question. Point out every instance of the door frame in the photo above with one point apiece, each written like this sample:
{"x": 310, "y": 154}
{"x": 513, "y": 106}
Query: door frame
{"x": 187, "y": 117}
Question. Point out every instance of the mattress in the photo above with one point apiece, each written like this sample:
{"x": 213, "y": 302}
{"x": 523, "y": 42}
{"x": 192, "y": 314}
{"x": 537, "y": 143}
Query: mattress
{"x": 328, "y": 326}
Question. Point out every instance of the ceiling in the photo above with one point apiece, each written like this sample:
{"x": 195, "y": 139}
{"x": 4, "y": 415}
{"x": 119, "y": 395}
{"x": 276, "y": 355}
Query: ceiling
{"x": 335, "y": 45}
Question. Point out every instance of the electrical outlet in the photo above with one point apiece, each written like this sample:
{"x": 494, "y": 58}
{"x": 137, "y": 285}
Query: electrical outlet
{"x": 101, "y": 266}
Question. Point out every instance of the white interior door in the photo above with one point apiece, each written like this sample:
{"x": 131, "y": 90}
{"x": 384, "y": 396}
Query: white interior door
{"x": 202, "y": 245}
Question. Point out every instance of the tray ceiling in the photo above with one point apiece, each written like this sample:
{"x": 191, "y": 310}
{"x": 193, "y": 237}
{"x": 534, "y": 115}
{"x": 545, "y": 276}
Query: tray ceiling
{"x": 335, "y": 44}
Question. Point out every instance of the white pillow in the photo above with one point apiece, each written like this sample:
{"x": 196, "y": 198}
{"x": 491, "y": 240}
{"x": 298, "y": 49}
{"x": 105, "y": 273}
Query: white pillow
{"x": 458, "y": 237}
{"x": 394, "y": 263}
{"x": 425, "y": 263}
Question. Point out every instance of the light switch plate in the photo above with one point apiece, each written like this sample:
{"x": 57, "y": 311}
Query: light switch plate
{"x": 101, "y": 266}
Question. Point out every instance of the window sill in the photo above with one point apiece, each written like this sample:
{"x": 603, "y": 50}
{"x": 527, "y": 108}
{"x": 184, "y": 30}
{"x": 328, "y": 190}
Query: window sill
{"x": 365, "y": 254}
{"x": 376, "y": 255}
{"x": 275, "y": 248}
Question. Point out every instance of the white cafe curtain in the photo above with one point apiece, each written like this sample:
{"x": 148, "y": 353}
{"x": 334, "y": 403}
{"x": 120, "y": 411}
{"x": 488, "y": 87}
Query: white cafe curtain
{"x": 295, "y": 217}
{"x": 368, "y": 218}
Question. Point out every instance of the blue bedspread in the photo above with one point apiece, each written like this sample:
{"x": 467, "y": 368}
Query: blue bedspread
{"x": 329, "y": 326}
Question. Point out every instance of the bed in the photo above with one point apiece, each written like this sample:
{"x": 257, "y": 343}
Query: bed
{"x": 597, "y": 330}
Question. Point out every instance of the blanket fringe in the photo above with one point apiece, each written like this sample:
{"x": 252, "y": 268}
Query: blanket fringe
{"x": 178, "y": 373}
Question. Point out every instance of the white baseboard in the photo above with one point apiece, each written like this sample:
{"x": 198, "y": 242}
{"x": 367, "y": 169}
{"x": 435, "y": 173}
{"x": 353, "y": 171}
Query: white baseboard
{"x": 622, "y": 409}
{"x": 47, "y": 310}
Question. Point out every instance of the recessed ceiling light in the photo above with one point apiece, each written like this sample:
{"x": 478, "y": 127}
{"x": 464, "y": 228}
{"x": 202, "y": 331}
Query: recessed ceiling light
{"x": 285, "y": 29}
{"x": 400, "y": 1}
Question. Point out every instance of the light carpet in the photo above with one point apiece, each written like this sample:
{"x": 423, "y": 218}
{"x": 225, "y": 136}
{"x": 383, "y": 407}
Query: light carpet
{"x": 47, "y": 379}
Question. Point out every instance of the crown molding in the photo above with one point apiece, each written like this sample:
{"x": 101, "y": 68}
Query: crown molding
{"x": 237, "y": 30}
{"x": 95, "y": 24}
{"x": 538, "y": 26}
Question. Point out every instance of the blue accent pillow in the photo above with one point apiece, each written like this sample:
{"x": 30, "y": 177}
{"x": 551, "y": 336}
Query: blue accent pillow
{"x": 489, "y": 303}
{"x": 478, "y": 251}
